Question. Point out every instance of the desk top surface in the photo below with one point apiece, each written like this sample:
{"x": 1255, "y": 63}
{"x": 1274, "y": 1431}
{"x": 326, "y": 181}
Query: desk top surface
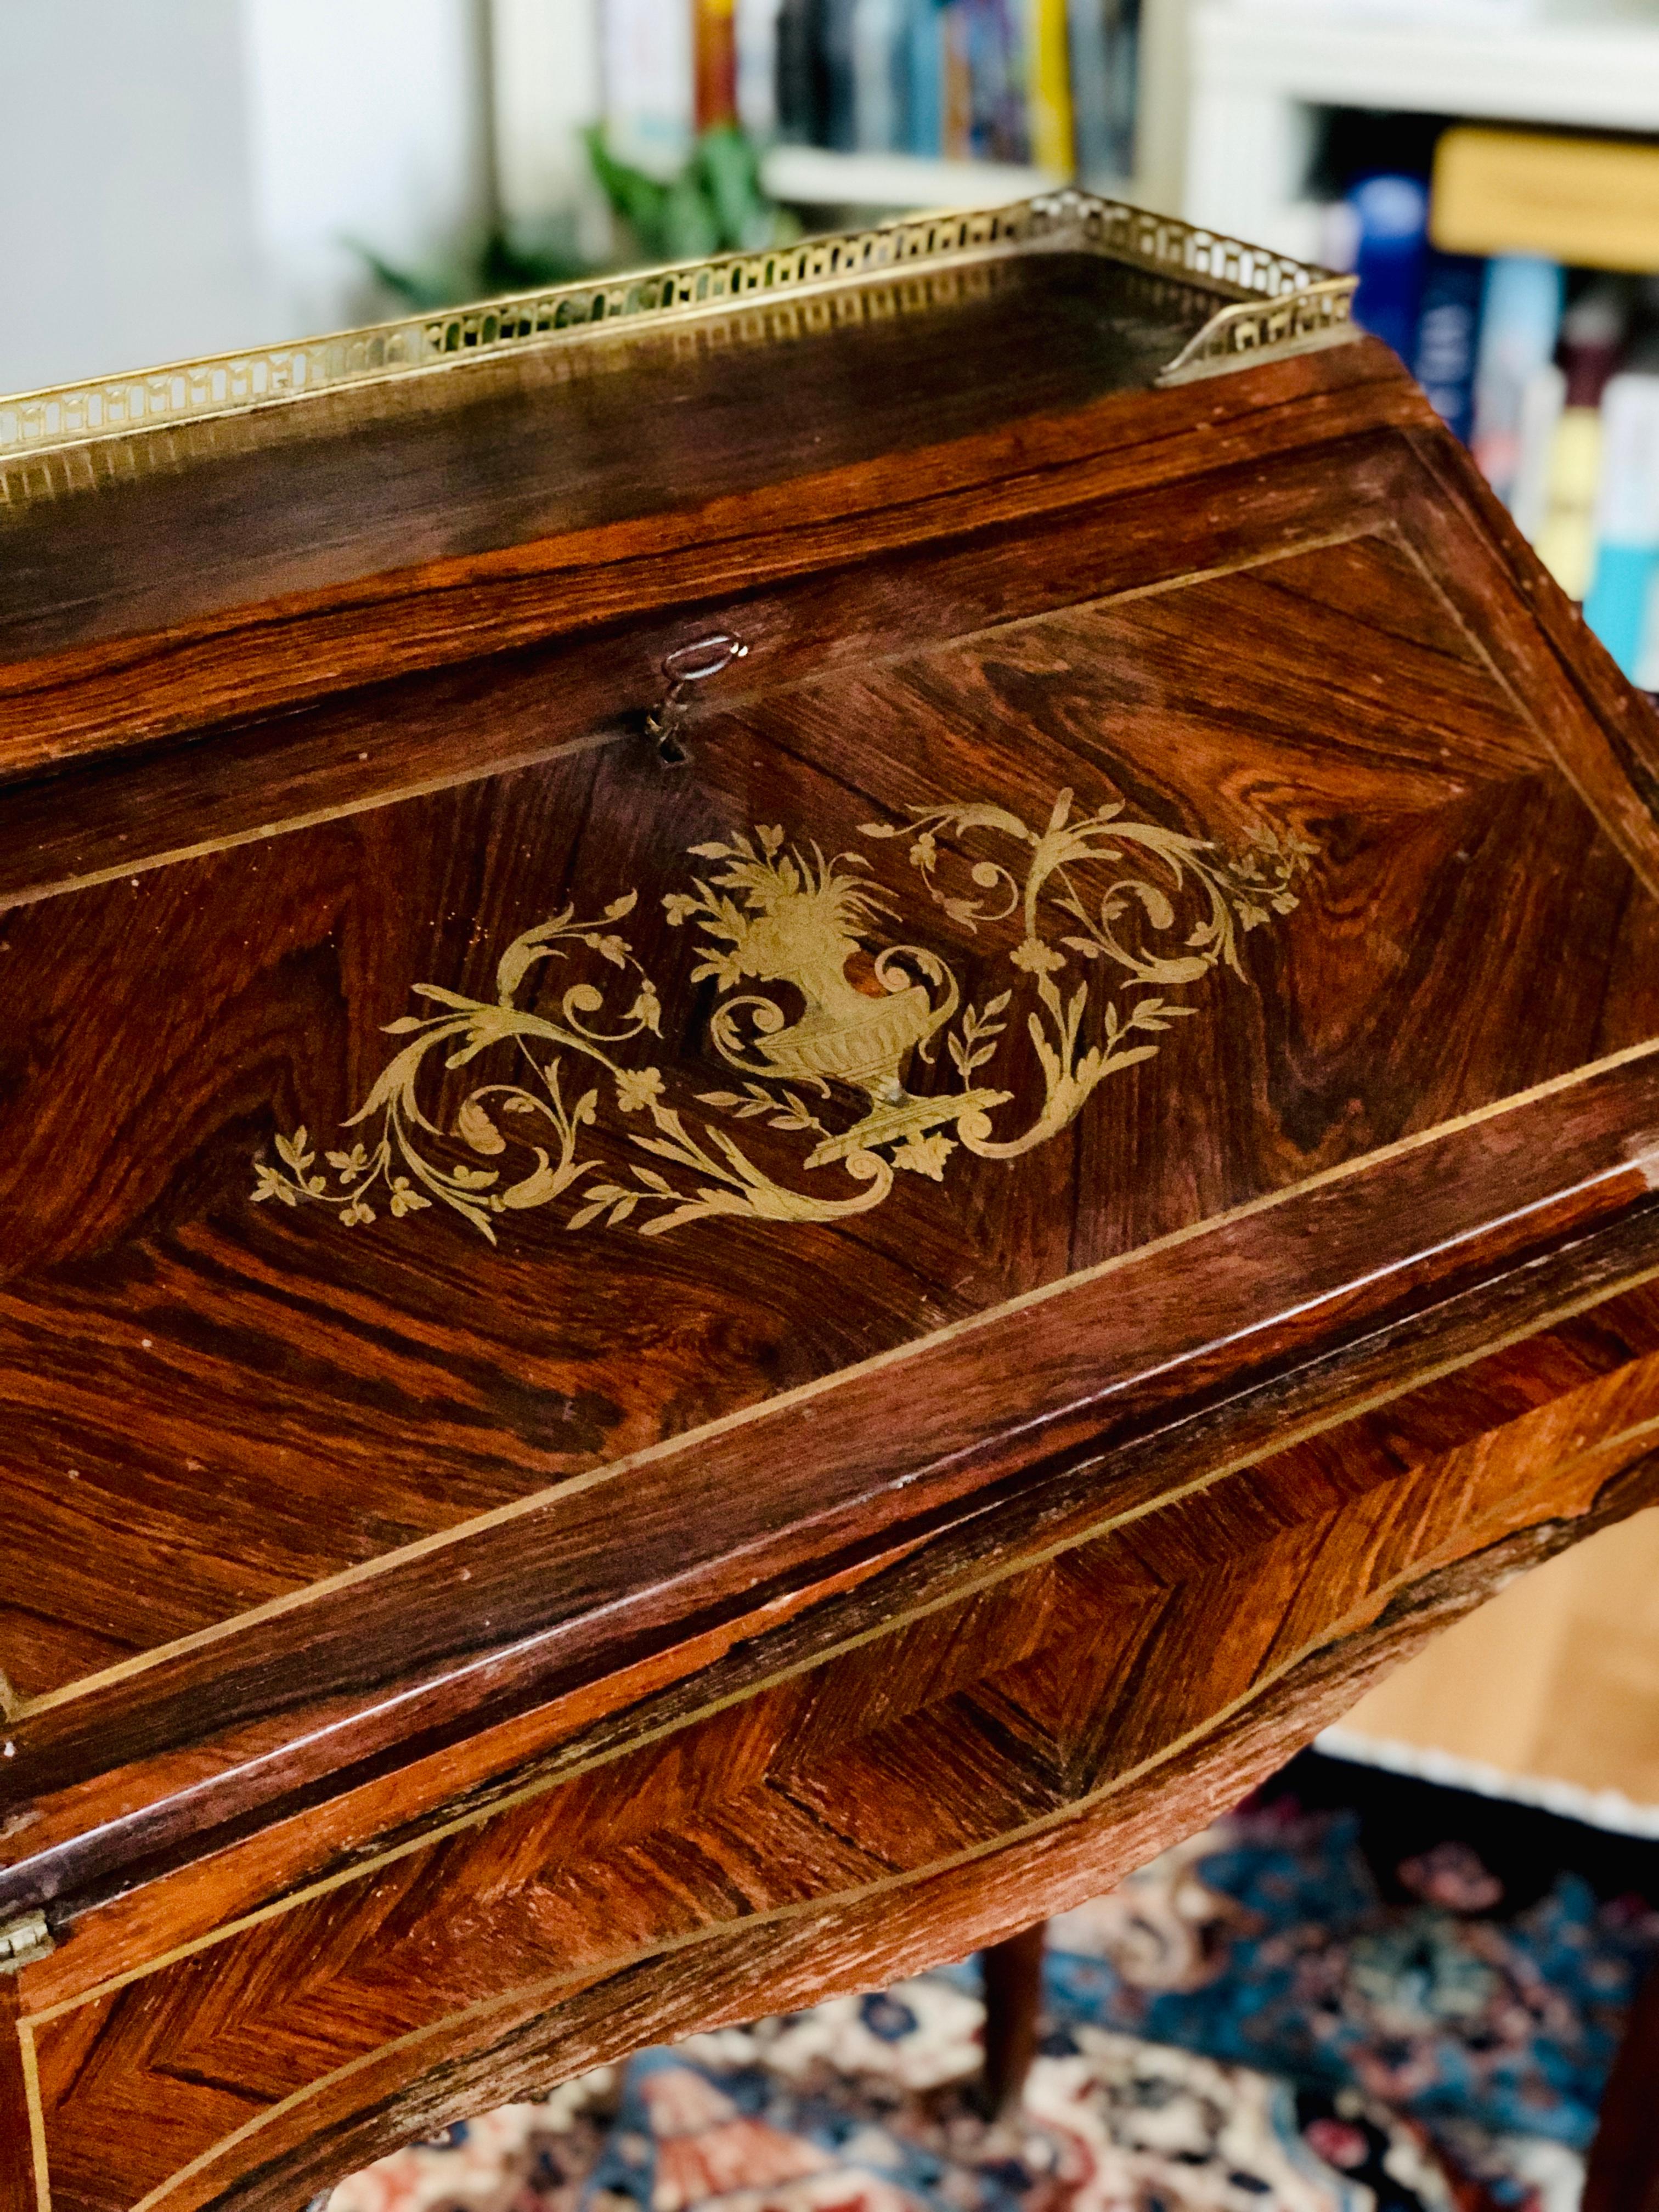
{"x": 361, "y": 482}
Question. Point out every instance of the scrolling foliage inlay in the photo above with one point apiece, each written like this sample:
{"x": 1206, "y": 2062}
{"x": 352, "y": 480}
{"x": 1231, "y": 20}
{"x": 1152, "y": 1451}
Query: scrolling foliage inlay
{"x": 1095, "y": 895}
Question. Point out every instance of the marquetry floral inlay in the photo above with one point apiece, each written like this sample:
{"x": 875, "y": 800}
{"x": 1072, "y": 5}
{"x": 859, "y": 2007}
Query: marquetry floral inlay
{"x": 1112, "y": 916}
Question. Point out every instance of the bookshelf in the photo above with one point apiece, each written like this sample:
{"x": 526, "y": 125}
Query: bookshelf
{"x": 1259, "y": 72}
{"x": 547, "y": 72}
{"x": 1499, "y": 164}
{"x": 811, "y": 177}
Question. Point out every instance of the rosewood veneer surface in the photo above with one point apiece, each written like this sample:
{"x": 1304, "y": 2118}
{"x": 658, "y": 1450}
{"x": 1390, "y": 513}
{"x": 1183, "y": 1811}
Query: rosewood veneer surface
{"x": 634, "y": 1393}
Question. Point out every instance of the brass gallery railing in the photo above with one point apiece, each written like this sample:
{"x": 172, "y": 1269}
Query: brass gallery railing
{"x": 1266, "y": 303}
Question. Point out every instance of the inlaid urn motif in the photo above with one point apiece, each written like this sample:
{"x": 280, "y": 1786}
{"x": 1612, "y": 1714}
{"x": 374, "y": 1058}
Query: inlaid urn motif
{"x": 1126, "y": 911}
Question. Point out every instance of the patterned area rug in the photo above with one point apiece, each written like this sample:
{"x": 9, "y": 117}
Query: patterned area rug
{"x": 1355, "y": 1994}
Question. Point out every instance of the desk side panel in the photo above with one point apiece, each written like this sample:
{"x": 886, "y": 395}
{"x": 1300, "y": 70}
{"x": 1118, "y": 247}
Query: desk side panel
{"x": 960, "y": 1770}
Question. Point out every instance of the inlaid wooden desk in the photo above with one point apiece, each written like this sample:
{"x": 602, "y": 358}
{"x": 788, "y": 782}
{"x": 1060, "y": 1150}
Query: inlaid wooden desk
{"x": 807, "y": 1100}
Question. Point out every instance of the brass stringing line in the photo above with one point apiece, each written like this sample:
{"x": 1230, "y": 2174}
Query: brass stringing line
{"x": 1188, "y": 579}
{"x": 1195, "y": 1487}
{"x": 1359, "y": 1618}
{"x": 572, "y": 1485}
{"x": 141, "y": 864}
{"x": 1402, "y": 537}
{"x": 38, "y": 2152}
{"x": 1644, "y": 862}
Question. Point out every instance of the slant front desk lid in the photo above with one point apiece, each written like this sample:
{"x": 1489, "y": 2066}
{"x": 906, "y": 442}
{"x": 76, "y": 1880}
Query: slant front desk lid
{"x": 656, "y": 961}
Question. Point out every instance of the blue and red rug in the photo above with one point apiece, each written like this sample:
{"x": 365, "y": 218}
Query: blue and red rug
{"x": 1358, "y": 1993}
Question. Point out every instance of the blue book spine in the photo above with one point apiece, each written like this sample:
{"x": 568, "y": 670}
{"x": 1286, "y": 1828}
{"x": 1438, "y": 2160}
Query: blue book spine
{"x": 841, "y": 123}
{"x": 1447, "y": 331}
{"x": 1521, "y": 306}
{"x": 799, "y": 97}
{"x": 878, "y": 36}
{"x": 1393, "y": 215}
{"x": 1101, "y": 41}
{"x": 1626, "y": 561}
{"x": 983, "y": 22}
{"x": 1616, "y": 607}
{"x": 1006, "y": 134}
{"x": 1125, "y": 82}
{"x": 1092, "y": 115}
{"x": 924, "y": 77}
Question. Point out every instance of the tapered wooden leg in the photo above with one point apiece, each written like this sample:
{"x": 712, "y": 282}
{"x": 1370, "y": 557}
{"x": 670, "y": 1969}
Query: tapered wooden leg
{"x": 1012, "y": 1973}
{"x": 1623, "y": 2172}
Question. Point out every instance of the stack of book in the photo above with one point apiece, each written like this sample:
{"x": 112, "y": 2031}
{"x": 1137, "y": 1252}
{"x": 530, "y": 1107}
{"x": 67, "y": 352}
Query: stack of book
{"x": 1047, "y": 83}
{"x": 1549, "y": 372}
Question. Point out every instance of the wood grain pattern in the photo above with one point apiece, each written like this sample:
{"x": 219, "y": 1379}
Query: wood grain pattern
{"x": 218, "y": 2057}
{"x": 439, "y": 1662}
{"x": 258, "y": 1717}
{"x": 217, "y": 668}
{"x": 539, "y": 443}
{"x": 867, "y": 1945}
{"x": 356, "y": 889}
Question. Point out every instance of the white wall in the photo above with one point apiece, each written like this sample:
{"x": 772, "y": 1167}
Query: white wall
{"x": 129, "y": 231}
{"x": 367, "y": 124}
{"x": 549, "y": 88}
{"x": 181, "y": 176}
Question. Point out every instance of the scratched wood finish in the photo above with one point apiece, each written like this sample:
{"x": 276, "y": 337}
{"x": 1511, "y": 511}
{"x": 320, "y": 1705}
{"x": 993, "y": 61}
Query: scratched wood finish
{"x": 437, "y": 1659}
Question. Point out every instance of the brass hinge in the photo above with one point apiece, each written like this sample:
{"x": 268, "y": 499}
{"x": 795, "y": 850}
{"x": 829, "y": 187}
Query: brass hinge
{"x": 23, "y": 1941}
